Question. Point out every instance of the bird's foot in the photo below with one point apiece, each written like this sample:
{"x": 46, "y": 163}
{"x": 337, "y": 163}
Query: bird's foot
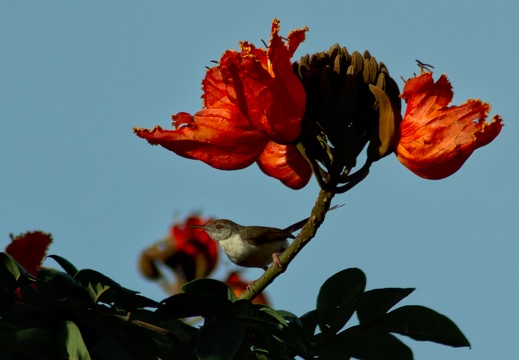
{"x": 277, "y": 261}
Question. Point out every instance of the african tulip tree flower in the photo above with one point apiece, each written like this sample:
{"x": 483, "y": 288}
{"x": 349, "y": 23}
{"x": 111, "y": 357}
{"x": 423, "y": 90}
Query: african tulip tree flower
{"x": 252, "y": 109}
{"x": 190, "y": 253}
{"x": 29, "y": 250}
{"x": 435, "y": 140}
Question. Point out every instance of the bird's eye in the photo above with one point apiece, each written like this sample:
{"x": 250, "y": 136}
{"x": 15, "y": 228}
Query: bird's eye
{"x": 218, "y": 227}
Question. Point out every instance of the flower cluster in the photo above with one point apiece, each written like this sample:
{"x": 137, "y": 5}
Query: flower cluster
{"x": 318, "y": 114}
{"x": 253, "y": 105}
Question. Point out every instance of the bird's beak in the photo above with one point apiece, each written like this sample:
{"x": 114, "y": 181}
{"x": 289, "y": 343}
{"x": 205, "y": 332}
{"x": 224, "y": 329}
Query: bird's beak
{"x": 198, "y": 226}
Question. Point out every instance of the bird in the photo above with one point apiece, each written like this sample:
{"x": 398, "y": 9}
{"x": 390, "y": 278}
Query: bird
{"x": 251, "y": 246}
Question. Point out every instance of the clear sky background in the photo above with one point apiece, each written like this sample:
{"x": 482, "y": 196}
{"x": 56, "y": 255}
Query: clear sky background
{"x": 75, "y": 77}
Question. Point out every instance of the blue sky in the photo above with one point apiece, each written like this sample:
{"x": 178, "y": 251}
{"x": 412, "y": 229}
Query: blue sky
{"x": 75, "y": 77}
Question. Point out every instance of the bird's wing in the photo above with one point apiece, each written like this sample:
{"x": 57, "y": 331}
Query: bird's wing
{"x": 263, "y": 235}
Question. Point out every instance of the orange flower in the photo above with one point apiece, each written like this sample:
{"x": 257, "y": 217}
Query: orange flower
{"x": 29, "y": 250}
{"x": 190, "y": 253}
{"x": 436, "y": 139}
{"x": 253, "y": 103}
{"x": 194, "y": 245}
{"x": 238, "y": 286}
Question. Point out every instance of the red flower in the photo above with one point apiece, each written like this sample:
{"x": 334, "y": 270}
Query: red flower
{"x": 238, "y": 286}
{"x": 196, "y": 245}
{"x": 189, "y": 253}
{"x": 435, "y": 139}
{"x": 253, "y": 103}
{"x": 29, "y": 250}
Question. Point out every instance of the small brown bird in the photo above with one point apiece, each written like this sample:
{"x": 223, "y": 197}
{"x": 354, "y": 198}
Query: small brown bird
{"x": 251, "y": 246}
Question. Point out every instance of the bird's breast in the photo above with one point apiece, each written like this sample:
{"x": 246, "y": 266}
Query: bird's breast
{"x": 250, "y": 255}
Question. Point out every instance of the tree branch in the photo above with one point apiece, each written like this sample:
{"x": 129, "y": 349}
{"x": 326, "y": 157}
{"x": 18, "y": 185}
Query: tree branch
{"x": 322, "y": 204}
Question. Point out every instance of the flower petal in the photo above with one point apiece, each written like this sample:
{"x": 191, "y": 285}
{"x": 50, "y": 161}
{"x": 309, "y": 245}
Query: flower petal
{"x": 220, "y": 137}
{"x": 285, "y": 163}
{"x": 214, "y": 88}
{"x": 263, "y": 85}
{"x": 436, "y": 140}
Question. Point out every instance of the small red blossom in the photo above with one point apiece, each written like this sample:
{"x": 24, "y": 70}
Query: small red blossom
{"x": 238, "y": 286}
{"x": 436, "y": 139}
{"x": 29, "y": 250}
{"x": 190, "y": 253}
{"x": 196, "y": 244}
{"x": 252, "y": 102}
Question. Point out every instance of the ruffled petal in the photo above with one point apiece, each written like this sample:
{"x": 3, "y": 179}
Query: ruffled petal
{"x": 264, "y": 87}
{"x": 436, "y": 140}
{"x": 214, "y": 88}
{"x": 285, "y": 163}
{"x": 219, "y": 137}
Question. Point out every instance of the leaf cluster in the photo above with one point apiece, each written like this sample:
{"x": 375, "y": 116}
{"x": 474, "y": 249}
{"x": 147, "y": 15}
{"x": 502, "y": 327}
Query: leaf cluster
{"x": 83, "y": 314}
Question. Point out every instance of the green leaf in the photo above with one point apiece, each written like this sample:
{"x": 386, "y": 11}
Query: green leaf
{"x": 338, "y": 297}
{"x": 220, "y": 339}
{"x": 375, "y": 303}
{"x": 270, "y": 324}
{"x": 424, "y": 324}
{"x": 246, "y": 310}
{"x": 273, "y": 313}
{"x": 187, "y": 305}
{"x": 96, "y": 291}
{"x": 65, "y": 264}
{"x": 59, "y": 285}
{"x": 102, "y": 288}
{"x": 9, "y": 272}
{"x": 70, "y": 342}
{"x": 210, "y": 287}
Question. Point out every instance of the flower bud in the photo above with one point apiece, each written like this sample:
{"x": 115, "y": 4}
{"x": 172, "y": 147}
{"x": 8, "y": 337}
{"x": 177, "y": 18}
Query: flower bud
{"x": 350, "y": 101}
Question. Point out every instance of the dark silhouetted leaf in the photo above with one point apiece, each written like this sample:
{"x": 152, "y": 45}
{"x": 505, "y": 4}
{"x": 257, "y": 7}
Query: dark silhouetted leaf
{"x": 364, "y": 344}
{"x": 338, "y": 297}
{"x": 65, "y": 264}
{"x": 56, "y": 285}
{"x": 210, "y": 287}
{"x": 133, "y": 339}
{"x": 131, "y": 302}
{"x": 375, "y": 303}
{"x": 259, "y": 316}
{"x": 178, "y": 328}
{"x": 34, "y": 342}
{"x": 102, "y": 288}
{"x": 188, "y": 305}
{"x": 9, "y": 272}
{"x": 309, "y": 322}
{"x": 220, "y": 339}
{"x": 70, "y": 342}
{"x": 421, "y": 323}
{"x": 376, "y": 345}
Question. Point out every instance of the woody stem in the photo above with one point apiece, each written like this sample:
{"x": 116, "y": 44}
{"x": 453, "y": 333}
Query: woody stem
{"x": 322, "y": 204}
